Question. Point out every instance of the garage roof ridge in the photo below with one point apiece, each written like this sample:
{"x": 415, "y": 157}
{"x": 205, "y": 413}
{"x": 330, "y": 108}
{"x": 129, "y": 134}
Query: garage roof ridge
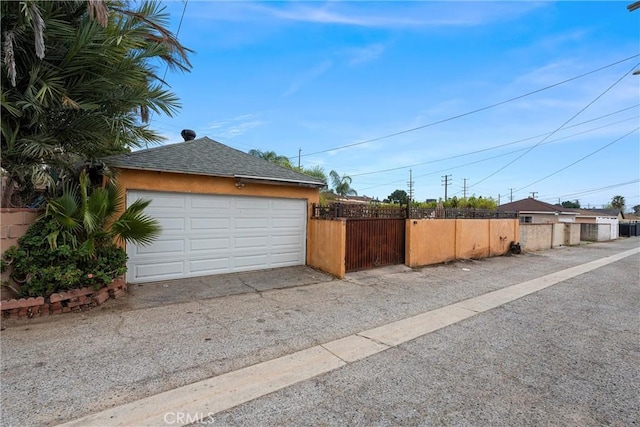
{"x": 204, "y": 156}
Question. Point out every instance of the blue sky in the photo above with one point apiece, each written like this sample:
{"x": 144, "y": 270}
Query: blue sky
{"x": 513, "y": 97}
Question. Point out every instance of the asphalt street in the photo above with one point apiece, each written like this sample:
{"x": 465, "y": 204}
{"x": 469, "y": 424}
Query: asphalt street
{"x": 565, "y": 355}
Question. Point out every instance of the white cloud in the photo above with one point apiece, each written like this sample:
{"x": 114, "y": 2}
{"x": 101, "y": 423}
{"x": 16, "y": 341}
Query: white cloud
{"x": 235, "y": 126}
{"x": 366, "y": 54}
{"x": 307, "y": 76}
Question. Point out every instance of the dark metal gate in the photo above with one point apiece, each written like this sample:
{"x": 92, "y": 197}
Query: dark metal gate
{"x": 373, "y": 242}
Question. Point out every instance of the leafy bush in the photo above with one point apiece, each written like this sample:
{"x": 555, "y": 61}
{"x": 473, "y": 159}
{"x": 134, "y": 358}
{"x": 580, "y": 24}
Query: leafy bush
{"x": 42, "y": 270}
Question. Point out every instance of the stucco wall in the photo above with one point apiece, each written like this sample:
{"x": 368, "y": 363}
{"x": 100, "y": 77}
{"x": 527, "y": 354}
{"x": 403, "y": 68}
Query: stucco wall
{"x": 14, "y": 224}
{"x": 501, "y": 233}
{"x": 326, "y": 245}
{"x": 433, "y": 241}
{"x": 558, "y": 235}
{"x": 430, "y": 241}
{"x": 472, "y": 238}
{"x": 535, "y": 237}
{"x": 572, "y": 234}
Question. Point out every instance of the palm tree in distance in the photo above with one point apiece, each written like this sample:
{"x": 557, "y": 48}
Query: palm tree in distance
{"x": 273, "y": 157}
{"x": 342, "y": 184}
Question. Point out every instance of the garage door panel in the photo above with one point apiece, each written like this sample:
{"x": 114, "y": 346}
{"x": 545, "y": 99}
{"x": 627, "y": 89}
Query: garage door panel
{"x": 204, "y": 202}
{"x": 210, "y": 265}
{"x": 154, "y": 269}
{"x": 160, "y": 247}
{"x": 256, "y": 261}
{"x": 210, "y": 244}
{"x": 214, "y": 234}
{"x": 252, "y": 222}
{"x": 256, "y": 243}
{"x": 165, "y": 201}
{"x": 282, "y": 260}
{"x": 252, "y": 204}
{"x": 291, "y": 240}
{"x": 209, "y": 223}
{"x": 171, "y": 223}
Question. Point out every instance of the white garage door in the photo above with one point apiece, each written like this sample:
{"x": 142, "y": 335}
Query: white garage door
{"x": 210, "y": 234}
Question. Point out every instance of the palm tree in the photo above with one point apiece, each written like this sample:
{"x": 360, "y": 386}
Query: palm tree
{"x": 272, "y": 157}
{"x": 342, "y": 184}
{"x": 78, "y": 82}
{"x": 316, "y": 172}
{"x": 85, "y": 218}
{"x": 618, "y": 202}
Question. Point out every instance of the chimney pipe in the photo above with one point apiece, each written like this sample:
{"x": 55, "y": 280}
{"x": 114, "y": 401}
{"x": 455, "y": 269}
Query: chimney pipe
{"x": 188, "y": 134}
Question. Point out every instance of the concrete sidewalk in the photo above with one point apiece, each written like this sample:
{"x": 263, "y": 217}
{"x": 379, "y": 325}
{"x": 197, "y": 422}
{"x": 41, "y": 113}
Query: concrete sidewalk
{"x": 68, "y": 368}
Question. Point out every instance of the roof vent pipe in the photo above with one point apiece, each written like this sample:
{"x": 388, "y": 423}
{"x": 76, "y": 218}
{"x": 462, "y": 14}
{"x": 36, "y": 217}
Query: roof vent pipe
{"x": 188, "y": 134}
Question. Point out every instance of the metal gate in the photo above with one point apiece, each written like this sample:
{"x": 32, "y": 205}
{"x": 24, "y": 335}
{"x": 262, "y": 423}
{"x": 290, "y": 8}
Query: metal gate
{"x": 374, "y": 242}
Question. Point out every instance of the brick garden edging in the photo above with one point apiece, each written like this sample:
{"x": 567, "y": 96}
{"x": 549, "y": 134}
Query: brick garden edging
{"x": 62, "y": 302}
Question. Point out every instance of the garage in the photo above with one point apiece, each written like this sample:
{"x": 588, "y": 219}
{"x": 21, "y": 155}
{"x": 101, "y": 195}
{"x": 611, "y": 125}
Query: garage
{"x": 213, "y": 234}
{"x": 221, "y": 210}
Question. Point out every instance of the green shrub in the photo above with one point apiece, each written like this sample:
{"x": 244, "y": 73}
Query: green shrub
{"x": 41, "y": 270}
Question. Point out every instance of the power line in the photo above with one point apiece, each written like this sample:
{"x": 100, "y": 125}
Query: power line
{"x": 492, "y": 157}
{"x": 593, "y": 190}
{"x": 473, "y": 111}
{"x": 560, "y": 127}
{"x": 579, "y": 160}
{"x": 503, "y": 145}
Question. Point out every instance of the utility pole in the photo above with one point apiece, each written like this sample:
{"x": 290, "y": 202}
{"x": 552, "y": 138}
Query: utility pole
{"x": 464, "y": 188}
{"x": 533, "y": 194}
{"x": 511, "y": 195}
{"x": 299, "y": 152}
{"x": 410, "y": 184}
{"x": 498, "y": 200}
{"x": 446, "y": 180}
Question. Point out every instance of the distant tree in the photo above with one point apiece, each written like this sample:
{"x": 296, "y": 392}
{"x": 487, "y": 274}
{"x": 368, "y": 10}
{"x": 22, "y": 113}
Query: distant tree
{"x": 398, "y": 196}
{"x": 568, "y": 204}
{"x": 342, "y": 184}
{"x": 636, "y": 209}
{"x": 617, "y": 202}
{"x": 273, "y": 157}
{"x": 316, "y": 172}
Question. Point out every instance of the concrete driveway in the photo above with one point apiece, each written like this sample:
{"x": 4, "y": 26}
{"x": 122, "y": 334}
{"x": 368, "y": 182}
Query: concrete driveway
{"x": 200, "y": 288}
{"x": 69, "y": 367}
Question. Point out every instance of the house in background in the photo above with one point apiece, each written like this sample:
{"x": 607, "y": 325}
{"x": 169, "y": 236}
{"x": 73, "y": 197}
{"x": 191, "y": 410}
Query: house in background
{"x": 221, "y": 210}
{"x": 605, "y": 220}
{"x": 532, "y": 211}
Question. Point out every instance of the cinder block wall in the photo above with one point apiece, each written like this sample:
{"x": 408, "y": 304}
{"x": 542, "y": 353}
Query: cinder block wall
{"x": 14, "y": 223}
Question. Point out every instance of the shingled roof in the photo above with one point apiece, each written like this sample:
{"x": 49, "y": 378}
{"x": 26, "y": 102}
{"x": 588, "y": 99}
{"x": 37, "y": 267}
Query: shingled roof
{"x": 204, "y": 156}
{"x": 531, "y": 205}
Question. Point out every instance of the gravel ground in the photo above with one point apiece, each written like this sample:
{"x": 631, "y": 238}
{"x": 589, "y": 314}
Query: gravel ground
{"x": 61, "y": 368}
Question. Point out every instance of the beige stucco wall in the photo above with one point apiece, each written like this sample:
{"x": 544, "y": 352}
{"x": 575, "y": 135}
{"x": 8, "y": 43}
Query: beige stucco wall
{"x": 14, "y": 223}
{"x": 433, "y": 241}
{"x": 558, "y": 235}
{"x": 472, "y": 238}
{"x": 535, "y": 237}
{"x": 572, "y": 234}
{"x": 430, "y": 241}
{"x": 326, "y": 245}
{"x": 501, "y": 233}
